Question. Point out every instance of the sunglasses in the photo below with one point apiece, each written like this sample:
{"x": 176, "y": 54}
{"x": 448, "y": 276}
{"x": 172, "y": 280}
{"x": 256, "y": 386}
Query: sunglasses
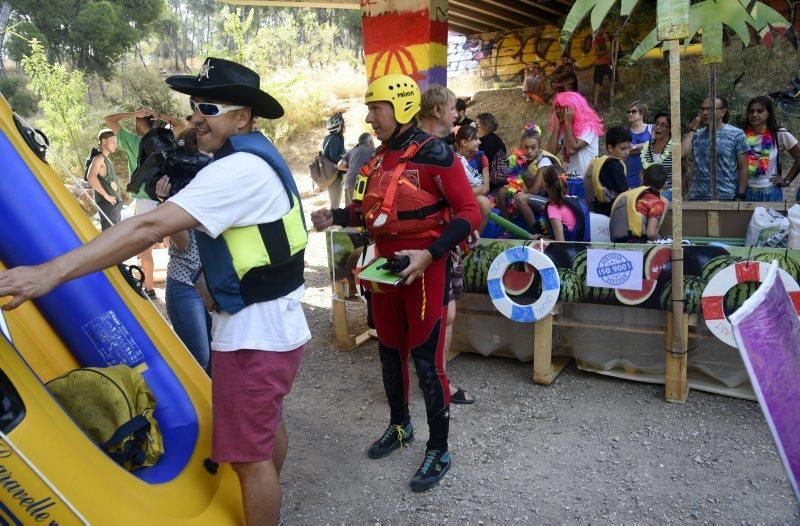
{"x": 631, "y": 112}
{"x": 210, "y": 109}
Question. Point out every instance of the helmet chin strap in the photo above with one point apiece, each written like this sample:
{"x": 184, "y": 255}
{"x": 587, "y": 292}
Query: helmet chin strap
{"x": 397, "y": 127}
{"x": 396, "y": 131}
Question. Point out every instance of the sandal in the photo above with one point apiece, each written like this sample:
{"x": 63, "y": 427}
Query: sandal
{"x": 460, "y": 397}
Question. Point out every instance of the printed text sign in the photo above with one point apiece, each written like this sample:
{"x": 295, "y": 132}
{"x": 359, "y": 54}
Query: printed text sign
{"x": 614, "y": 269}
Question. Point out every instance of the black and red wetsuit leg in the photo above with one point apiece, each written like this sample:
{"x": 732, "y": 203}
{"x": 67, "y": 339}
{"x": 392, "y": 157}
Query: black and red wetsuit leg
{"x": 410, "y": 319}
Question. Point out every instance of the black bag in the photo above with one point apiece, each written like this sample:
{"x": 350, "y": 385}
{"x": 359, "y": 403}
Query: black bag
{"x": 499, "y": 168}
{"x": 323, "y": 171}
{"x": 94, "y": 152}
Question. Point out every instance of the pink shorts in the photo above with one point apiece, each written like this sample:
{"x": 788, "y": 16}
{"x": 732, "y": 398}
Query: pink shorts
{"x": 247, "y": 401}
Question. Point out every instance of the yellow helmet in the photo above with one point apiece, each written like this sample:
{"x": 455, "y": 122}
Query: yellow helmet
{"x": 400, "y": 91}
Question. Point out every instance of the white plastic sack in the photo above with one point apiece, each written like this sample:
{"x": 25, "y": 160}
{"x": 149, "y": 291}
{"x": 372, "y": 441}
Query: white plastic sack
{"x": 794, "y": 227}
{"x": 767, "y": 228}
{"x": 599, "y": 225}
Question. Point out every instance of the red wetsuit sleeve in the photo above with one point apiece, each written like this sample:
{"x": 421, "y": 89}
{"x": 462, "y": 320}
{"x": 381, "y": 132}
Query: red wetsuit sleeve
{"x": 466, "y": 215}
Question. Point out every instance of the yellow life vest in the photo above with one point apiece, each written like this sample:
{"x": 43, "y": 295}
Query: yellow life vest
{"x": 592, "y": 176}
{"x": 626, "y": 222}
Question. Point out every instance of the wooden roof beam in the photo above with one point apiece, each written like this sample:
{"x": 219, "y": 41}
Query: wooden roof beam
{"x": 475, "y": 24}
{"x": 496, "y": 17}
{"x": 559, "y": 13}
{"x": 514, "y": 7}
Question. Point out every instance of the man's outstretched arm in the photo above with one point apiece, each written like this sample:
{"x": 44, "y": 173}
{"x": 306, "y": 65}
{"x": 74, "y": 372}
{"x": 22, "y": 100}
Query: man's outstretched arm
{"x": 120, "y": 242}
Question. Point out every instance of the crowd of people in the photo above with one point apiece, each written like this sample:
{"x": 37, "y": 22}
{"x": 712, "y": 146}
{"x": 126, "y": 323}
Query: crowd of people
{"x": 235, "y": 276}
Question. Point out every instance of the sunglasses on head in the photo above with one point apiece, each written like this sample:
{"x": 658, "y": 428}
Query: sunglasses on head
{"x": 211, "y": 109}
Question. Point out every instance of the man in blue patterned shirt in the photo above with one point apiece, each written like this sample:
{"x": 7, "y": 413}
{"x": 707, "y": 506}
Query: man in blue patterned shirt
{"x": 732, "y": 151}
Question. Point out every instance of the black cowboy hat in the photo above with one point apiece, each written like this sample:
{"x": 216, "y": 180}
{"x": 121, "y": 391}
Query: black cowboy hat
{"x": 230, "y": 82}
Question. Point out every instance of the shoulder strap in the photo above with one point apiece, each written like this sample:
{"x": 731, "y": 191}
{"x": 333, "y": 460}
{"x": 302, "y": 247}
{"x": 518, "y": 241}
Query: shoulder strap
{"x": 388, "y": 200}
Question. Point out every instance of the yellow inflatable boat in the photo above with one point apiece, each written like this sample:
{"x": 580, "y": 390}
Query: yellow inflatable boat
{"x": 50, "y": 471}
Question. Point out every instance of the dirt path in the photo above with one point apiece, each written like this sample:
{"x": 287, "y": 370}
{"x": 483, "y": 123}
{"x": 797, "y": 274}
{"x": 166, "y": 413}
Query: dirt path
{"x": 586, "y": 449}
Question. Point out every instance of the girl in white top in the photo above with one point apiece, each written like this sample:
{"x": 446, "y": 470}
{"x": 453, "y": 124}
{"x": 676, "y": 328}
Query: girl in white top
{"x": 476, "y": 166}
{"x": 766, "y": 141}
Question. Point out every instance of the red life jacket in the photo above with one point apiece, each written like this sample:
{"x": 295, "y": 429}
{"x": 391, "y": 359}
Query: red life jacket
{"x": 394, "y": 206}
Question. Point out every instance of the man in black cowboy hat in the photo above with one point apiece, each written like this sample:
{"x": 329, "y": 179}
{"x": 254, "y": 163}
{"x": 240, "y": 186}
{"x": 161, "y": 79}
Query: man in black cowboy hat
{"x": 251, "y": 235}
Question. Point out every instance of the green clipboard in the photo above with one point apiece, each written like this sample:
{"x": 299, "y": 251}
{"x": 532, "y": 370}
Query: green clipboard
{"x": 372, "y": 273}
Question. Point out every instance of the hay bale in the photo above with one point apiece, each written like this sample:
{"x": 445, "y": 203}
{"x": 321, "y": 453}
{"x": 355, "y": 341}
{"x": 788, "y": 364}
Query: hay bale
{"x": 511, "y": 110}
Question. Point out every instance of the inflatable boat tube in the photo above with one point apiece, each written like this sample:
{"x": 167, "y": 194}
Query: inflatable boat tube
{"x": 98, "y": 320}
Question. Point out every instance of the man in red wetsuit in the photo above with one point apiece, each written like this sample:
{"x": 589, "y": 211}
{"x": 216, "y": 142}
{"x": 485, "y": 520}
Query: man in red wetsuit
{"x": 432, "y": 212}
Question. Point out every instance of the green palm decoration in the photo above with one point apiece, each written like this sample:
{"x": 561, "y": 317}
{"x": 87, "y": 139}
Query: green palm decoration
{"x": 711, "y": 15}
{"x": 599, "y": 10}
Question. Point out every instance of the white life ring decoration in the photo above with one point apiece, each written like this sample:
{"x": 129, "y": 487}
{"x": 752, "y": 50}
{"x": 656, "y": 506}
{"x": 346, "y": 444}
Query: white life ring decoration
{"x": 551, "y": 284}
{"x": 725, "y": 280}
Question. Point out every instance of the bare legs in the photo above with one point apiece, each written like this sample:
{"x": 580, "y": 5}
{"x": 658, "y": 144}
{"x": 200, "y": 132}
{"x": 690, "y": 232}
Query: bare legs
{"x": 261, "y": 485}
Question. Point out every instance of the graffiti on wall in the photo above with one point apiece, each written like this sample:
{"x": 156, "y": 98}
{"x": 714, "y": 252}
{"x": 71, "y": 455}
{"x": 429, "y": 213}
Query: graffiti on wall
{"x": 503, "y": 56}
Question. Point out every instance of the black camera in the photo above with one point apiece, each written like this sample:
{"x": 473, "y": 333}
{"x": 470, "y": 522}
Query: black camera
{"x": 396, "y": 264}
{"x": 160, "y": 154}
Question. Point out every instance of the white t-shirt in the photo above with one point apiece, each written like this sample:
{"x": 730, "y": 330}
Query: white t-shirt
{"x": 786, "y": 142}
{"x": 475, "y": 179}
{"x": 241, "y": 190}
{"x": 576, "y": 164}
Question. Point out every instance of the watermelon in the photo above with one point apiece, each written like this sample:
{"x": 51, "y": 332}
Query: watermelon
{"x": 696, "y": 257}
{"x": 518, "y": 278}
{"x": 735, "y": 297}
{"x": 572, "y": 286}
{"x": 790, "y": 265}
{"x": 656, "y": 261}
{"x": 693, "y": 288}
{"x": 636, "y": 297}
{"x": 716, "y": 264}
{"x": 579, "y": 264}
{"x": 564, "y": 254}
{"x": 476, "y": 264}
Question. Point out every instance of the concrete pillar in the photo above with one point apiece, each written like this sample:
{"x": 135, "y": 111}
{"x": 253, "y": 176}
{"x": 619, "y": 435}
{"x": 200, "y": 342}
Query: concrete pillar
{"x": 406, "y": 36}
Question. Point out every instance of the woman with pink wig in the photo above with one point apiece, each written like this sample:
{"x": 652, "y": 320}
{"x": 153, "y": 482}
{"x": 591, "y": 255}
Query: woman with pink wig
{"x": 575, "y": 131}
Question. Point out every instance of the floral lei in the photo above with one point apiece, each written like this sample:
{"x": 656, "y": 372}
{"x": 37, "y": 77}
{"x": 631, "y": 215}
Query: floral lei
{"x": 760, "y": 147}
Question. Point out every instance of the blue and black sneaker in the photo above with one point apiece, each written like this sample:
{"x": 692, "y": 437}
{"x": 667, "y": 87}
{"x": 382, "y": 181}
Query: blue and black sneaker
{"x": 394, "y": 437}
{"x": 432, "y": 470}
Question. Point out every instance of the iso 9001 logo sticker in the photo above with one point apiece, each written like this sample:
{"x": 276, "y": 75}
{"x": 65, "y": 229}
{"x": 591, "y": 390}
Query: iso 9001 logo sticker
{"x": 614, "y": 269}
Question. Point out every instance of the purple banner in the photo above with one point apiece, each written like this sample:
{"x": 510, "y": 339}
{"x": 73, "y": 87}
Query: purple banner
{"x": 767, "y": 331}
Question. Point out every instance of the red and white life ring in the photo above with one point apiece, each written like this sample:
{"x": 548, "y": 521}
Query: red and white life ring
{"x": 725, "y": 280}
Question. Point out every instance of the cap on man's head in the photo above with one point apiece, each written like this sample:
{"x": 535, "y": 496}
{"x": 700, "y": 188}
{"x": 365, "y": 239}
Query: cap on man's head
{"x": 227, "y": 81}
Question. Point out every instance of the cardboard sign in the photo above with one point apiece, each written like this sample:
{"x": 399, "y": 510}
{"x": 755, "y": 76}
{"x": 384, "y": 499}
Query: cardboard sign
{"x": 614, "y": 269}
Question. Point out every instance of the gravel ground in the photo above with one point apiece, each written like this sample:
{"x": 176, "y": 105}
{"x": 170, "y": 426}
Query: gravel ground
{"x": 586, "y": 449}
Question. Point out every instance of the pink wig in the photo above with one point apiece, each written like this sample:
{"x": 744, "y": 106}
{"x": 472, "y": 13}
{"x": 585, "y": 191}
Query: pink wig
{"x": 585, "y": 117}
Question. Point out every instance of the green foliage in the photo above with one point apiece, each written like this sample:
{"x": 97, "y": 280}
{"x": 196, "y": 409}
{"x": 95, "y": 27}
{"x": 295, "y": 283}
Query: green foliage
{"x": 19, "y": 37}
{"x": 305, "y": 105}
{"x": 141, "y": 87}
{"x": 91, "y": 34}
{"x": 236, "y": 28}
{"x": 22, "y": 101}
{"x": 63, "y": 104}
{"x": 645, "y": 81}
